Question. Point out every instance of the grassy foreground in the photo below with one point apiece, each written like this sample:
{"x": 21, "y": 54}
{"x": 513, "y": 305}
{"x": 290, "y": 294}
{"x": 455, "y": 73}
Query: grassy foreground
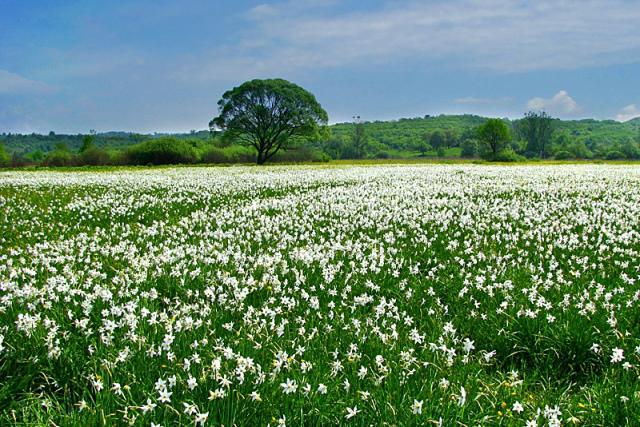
{"x": 316, "y": 295}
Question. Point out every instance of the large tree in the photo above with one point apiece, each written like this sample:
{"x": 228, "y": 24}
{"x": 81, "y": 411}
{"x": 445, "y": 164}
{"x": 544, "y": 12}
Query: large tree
{"x": 493, "y": 135}
{"x": 269, "y": 115}
{"x": 536, "y": 128}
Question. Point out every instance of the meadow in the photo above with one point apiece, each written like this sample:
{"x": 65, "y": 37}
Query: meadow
{"x": 438, "y": 295}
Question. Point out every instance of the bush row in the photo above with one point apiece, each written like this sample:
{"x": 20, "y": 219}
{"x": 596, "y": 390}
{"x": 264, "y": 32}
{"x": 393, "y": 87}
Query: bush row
{"x": 162, "y": 151}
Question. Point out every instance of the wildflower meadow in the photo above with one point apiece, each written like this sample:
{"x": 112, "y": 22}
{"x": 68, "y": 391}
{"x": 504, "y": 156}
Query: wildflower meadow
{"x": 437, "y": 295}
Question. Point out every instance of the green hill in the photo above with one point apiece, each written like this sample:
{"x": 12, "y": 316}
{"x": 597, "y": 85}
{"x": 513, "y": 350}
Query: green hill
{"x": 403, "y": 138}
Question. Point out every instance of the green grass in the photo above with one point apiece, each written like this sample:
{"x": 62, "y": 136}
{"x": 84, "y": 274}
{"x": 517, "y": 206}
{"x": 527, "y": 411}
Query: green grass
{"x": 238, "y": 264}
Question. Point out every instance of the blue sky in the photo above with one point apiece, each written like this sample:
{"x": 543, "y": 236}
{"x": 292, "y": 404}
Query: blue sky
{"x": 144, "y": 66}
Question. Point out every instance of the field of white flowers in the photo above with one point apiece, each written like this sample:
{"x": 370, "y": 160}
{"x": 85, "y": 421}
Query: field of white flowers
{"x": 380, "y": 295}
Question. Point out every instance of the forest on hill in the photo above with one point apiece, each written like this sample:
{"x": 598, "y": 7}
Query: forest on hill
{"x": 443, "y": 136}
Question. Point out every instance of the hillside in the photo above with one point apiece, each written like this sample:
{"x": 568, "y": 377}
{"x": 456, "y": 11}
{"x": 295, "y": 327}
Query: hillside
{"x": 403, "y": 138}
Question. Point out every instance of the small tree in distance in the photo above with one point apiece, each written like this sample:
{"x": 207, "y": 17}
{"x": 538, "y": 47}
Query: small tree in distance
{"x": 537, "y": 129}
{"x": 269, "y": 115}
{"x": 494, "y": 136}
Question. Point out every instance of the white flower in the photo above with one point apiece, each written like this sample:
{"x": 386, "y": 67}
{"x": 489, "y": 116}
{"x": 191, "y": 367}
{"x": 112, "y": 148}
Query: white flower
{"x": 416, "y": 408}
{"x": 255, "y": 396}
{"x": 289, "y": 386}
{"x": 149, "y": 406}
{"x": 165, "y": 396}
{"x": 322, "y": 389}
{"x": 189, "y": 408}
{"x": 463, "y": 397}
{"x": 192, "y": 383}
{"x": 617, "y": 356}
{"x": 517, "y": 407}
{"x": 352, "y": 412}
{"x": 202, "y": 418}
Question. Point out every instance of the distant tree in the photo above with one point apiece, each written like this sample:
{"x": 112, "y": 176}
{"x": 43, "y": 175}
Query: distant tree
{"x": 88, "y": 141}
{"x": 269, "y": 115}
{"x": 561, "y": 142}
{"x": 334, "y": 147}
{"x": 36, "y": 156}
{"x": 61, "y": 146}
{"x": 438, "y": 139}
{"x": 451, "y": 138}
{"x": 494, "y": 136}
{"x": 580, "y": 150}
{"x": 359, "y": 139}
{"x": 630, "y": 149}
{"x": 469, "y": 148}
{"x": 422, "y": 146}
{"x": 537, "y": 129}
{"x": 59, "y": 158}
{"x": 5, "y": 159}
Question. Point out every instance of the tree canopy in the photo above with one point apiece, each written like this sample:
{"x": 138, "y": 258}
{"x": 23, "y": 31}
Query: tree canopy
{"x": 536, "y": 128}
{"x": 494, "y": 135}
{"x": 269, "y": 115}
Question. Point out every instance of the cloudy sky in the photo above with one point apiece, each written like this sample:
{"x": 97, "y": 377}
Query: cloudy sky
{"x": 154, "y": 65}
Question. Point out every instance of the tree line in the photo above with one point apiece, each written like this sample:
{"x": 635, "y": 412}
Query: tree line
{"x": 277, "y": 121}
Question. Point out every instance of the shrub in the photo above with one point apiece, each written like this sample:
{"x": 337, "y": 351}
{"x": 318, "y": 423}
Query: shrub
{"x": 4, "y": 157}
{"x": 301, "y": 154}
{"x": 59, "y": 158}
{"x": 469, "y": 148}
{"x": 563, "y": 155}
{"x": 615, "y": 155}
{"x": 35, "y": 156}
{"x": 162, "y": 151}
{"x": 441, "y": 152}
{"x": 228, "y": 154}
{"x": 382, "y": 155}
{"x": 215, "y": 155}
{"x": 94, "y": 156}
{"x": 508, "y": 155}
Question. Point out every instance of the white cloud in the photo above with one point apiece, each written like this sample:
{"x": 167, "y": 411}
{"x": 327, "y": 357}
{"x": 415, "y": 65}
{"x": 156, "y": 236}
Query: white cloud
{"x": 627, "y": 113}
{"x": 560, "y": 103}
{"x": 502, "y": 35}
{"x": 11, "y": 83}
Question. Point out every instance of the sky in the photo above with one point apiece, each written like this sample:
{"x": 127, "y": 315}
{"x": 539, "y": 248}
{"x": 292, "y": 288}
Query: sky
{"x": 161, "y": 66}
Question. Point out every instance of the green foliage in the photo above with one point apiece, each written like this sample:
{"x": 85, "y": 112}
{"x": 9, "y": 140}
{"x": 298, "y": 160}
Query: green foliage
{"x": 493, "y": 136}
{"x": 399, "y": 139}
{"x": 59, "y": 158}
{"x": 270, "y": 115}
{"x": 536, "y": 128}
{"x": 359, "y": 142}
{"x": 382, "y": 155}
{"x": 162, "y": 151}
{"x": 229, "y": 154}
{"x": 88, "y": 142}
{"x": 579, "y": 150}
{"x": 36, "y": 156}
{"x": 441, "y": 152}
{"x": 469, "y": 148}
{"x": 61, "y": 146}
{"x": 438, "y": 140}
{"x": 630, "y": 149}
{"x": 4, "y": 156}
{"x": 94, "y": 156}
{"x": 615, "y": 155}
{"x": 422, "y": 146}
{"x": 508, "y": 155}
{"x": 563, "y": 155}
